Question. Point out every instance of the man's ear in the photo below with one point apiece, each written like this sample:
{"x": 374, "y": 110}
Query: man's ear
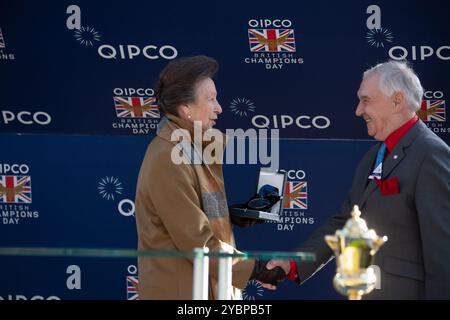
{"x": 399, "y": 98}
{"x": 399, "y": 101}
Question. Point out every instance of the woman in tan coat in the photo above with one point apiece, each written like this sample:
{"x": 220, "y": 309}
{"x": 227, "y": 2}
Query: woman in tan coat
{"x": 182, "y": 206}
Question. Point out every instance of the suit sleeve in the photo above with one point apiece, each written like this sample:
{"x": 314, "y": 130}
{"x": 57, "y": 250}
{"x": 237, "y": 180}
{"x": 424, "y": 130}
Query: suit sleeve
{"x": 433, "y": 208}
{"x": 317, "y": 245}
{"x": 178, "y": 205}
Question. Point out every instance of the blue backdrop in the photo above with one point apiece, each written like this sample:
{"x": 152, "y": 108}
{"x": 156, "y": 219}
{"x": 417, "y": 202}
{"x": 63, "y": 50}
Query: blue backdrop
{"x": 68, "y": 69}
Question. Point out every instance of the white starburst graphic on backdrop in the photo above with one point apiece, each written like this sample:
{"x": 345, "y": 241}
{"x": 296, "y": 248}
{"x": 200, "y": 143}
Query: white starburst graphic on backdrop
{"x": 377, "y": 37}
{"x": 252, "y": 290}
{"x": 108, "y": 187}
{"x": 242, "y": 106}
{"x": 87, "y": 35}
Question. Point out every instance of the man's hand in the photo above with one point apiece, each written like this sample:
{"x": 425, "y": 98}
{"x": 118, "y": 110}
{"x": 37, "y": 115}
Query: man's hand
{"x": 284, "y": 264}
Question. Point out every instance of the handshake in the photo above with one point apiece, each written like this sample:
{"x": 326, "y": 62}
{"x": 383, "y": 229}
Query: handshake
{"x": 270, "y": 272}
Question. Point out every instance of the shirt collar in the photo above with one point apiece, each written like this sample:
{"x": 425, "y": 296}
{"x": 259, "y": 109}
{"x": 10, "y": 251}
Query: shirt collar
{"x": 395, "y": 136}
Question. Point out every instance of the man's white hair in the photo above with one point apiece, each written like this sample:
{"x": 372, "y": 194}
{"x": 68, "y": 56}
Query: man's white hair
{"x": 396, "y": 76}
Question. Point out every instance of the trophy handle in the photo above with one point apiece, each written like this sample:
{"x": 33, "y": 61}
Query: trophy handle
{"x": 377, "y": 243}
{"x": 333, "y": 243}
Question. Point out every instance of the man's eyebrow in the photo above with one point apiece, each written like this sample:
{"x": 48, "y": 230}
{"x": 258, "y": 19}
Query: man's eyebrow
{"x": 364, "y": 96}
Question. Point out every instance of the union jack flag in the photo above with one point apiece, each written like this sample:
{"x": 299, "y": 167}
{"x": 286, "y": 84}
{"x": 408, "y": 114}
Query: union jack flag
{"x": 136, "y": 107}
{"x": 296, "y": 195}
{"x": 2, "y": 41}
{"x": 432, "y": 110}
{"x": 271, "y": 40}
{"x": 132, "y": 288}
{"x": 15, "y": 189}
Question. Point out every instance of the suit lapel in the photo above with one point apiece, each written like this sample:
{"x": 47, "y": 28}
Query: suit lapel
{"x": 394, "y": 158}
{"x": 371, "y": 186}
{"x": 368, "y": 187}
{"x": 388, "y": 165}
{"x": 400, "y": 150}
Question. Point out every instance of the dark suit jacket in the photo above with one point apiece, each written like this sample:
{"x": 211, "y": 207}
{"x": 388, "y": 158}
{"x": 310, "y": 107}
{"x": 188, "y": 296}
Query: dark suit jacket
{"x": 415, "y": 262}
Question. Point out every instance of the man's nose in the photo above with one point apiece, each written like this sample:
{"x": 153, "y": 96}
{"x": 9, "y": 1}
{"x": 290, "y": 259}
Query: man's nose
{"x": 359, "y": 110}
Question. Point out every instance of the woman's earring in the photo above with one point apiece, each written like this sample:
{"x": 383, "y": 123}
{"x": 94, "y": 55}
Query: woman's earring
{"x": 189, "y": 116}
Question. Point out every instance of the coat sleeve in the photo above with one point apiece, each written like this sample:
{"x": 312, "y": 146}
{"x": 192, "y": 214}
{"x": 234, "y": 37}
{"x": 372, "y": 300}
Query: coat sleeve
{"x": 433, "y": 209}
{"x": 176, "y": 201}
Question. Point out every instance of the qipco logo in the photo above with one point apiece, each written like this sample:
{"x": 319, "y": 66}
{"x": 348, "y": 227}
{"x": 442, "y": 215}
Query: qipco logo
{"x": 17, "y": 169}
{"x": 131, "y": 51}
{"x": 22, "y": 297}
{"x": 129, "y": 92}
{"x": 419, "y": 52}
{"x": 268, "y": 23}
{"x": 296, "y": 174}
{"x": 126, "y": 208}
{"x": 433, "y": 94}
{"x": 284, "y": 121}
{"x": 26, "y": 117}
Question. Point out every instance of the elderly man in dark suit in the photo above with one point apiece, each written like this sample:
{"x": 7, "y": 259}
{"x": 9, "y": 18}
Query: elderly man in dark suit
{"x": 403, "y": 189}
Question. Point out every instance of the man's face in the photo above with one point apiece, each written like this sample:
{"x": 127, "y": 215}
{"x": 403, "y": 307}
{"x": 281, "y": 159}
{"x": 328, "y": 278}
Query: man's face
{"x": 205, "y": 108}
{"x": 375, "y": 108}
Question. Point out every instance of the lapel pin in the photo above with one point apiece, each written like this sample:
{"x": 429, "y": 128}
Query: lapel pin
{"x": 395, "y": 157}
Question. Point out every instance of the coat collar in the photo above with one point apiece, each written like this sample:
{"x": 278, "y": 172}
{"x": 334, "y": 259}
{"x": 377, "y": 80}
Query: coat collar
{"x": 170, "y": 122}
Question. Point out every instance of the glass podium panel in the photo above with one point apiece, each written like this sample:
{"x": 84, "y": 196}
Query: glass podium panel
{"x": 44, "y": 273}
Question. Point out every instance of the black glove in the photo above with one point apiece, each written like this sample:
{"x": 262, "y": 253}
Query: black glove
{"x": 261, "y": 273}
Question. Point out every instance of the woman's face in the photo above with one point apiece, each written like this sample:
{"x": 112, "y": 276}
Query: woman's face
{"x": 205, "y": 108}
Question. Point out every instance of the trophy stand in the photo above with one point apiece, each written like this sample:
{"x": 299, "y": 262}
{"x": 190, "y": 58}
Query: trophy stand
{"x": 354, "y": 247}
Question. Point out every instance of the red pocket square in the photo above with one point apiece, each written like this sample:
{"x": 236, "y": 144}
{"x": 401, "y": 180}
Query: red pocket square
{"x": 388, "y": 186}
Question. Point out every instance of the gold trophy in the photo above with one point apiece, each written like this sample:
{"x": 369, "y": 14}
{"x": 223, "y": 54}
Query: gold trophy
{"x": 354, "y": 247}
